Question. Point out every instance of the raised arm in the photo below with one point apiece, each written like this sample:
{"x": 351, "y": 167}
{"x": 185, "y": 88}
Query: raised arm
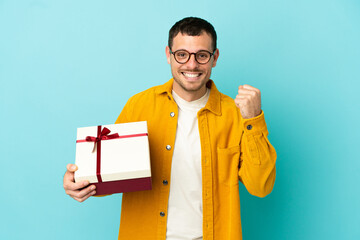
{"x": 258, "y": 157}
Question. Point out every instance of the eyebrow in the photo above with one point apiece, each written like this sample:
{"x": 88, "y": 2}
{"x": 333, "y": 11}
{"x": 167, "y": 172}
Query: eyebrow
{"x": 190, "y": 52}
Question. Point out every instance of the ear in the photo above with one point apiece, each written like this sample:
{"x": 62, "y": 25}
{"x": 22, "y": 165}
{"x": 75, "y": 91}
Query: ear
{"x": 216, "y": 56}
{"x": 168, "y": 54}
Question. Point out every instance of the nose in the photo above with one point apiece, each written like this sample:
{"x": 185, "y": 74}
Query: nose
{"x": 192, "y": 63}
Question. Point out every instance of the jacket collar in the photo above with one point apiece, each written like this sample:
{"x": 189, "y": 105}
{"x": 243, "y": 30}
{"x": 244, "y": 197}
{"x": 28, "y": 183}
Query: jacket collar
{"x": 213, "y": 104}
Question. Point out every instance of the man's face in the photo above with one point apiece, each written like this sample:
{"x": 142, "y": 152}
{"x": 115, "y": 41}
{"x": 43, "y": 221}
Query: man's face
{"x": 190, "y": 78}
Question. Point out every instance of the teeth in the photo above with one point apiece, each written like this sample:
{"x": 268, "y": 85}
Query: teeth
{"x": 192, "y": 75}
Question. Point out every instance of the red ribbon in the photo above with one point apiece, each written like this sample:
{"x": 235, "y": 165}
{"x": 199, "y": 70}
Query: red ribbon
{"x": 104, "y": 135}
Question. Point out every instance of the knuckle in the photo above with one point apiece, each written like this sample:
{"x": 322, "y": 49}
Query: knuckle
{"x": 66, "y": 186}
{"x": 78, "y": 195}
{"x": 75, "y": 186}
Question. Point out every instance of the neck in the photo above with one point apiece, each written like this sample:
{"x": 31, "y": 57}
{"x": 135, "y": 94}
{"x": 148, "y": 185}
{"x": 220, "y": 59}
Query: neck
{"x": 187, "y": 95}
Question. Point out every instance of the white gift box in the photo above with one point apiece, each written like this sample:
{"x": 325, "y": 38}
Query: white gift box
{"x": 115, "y": 161}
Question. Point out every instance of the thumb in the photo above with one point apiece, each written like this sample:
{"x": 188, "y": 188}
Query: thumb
{"x": 71, "y": 167}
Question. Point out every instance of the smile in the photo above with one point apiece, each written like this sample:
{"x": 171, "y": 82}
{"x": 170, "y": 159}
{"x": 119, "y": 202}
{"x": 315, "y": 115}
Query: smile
{"x": 191, "y": 75}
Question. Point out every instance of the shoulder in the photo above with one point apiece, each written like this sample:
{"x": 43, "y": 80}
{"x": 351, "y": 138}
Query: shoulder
{"x": 228, "y": 106}
{"x": 145, "y": 96}
{"x": 227, "y": 101}
{"x": 139, "y": 105}
{"x": 220, "y": 103}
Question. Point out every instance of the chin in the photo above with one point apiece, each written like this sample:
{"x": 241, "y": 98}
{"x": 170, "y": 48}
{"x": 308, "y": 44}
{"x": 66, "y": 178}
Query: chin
{"x": 192, "y": 87}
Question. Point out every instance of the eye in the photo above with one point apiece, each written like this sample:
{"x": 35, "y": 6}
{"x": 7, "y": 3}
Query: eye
{"x": 202, "y": 55}
{"x": 181, "y": 55}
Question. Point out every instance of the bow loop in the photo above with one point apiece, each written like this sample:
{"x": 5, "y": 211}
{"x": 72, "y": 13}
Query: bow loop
{"x": 91, "y": 139}
{"x": 102, "y": 135}
{"x": 105, "y": 131}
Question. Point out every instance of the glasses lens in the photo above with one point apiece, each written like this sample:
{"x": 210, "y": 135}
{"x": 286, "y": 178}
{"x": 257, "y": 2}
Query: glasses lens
{"x": 181, "y": 56}
{"x": 203, "y": 56}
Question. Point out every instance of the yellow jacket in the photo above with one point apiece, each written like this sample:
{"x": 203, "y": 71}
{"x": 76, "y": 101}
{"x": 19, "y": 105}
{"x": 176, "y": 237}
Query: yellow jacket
{"x": 232, "y": 149}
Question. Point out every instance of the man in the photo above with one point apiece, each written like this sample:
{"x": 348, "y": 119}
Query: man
{"x": 202, "y": 143}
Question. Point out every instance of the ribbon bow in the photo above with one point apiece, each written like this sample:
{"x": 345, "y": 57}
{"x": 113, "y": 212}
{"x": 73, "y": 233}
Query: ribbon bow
{"x": 102, "y": 135}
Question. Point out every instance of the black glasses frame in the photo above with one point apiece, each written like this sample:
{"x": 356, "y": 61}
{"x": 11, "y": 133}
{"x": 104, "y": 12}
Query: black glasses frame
{"x": 173, "y": 53}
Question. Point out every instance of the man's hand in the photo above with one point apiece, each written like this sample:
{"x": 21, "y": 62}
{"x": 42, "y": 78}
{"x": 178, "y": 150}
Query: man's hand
{"x": 249, "y": 101}
{"x": 77, "y": 191}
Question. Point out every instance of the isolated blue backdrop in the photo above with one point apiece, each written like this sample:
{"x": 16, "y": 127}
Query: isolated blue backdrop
{"x": 67, "y": 64}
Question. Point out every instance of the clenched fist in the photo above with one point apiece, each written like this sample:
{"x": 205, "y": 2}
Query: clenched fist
{"x": 249, "y": 101}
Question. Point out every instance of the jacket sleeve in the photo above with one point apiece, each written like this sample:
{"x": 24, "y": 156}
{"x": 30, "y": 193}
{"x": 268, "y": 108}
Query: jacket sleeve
{"x": 257, "y": 157}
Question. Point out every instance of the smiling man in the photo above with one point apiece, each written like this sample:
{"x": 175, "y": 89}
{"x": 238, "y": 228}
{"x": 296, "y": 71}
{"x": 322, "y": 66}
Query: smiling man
{"x": 202, "y": 144}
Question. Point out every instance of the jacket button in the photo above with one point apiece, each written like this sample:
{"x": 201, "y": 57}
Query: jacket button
{"x": 162, "y": 214}
{"x": 168, "y": 147}
{"x": 165, "y": 182}
{"x": 249, "y": 127}
{"x": 172, "y": 114}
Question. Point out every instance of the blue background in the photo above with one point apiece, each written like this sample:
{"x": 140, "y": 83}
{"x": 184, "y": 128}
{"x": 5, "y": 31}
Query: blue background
{"x": 67, "y": 64}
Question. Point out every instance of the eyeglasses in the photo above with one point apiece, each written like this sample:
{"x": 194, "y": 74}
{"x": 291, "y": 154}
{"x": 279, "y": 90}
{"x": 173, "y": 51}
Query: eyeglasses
{"x": 183, "y": 56}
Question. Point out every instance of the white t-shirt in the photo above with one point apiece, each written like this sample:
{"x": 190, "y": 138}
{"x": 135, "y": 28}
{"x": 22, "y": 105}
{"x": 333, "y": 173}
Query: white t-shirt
{"x": 185, "y": 212}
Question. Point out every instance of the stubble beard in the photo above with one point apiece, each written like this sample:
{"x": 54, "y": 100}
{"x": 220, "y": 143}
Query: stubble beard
{"x": 188, "y": 89}
{"x": 183, "y": 85}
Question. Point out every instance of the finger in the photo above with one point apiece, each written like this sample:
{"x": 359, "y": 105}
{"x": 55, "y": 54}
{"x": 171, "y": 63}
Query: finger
{"x": 249, "y": 96}
{"x": 247, "y": 91}
{"x": 80, "y": 193}
{"x": 85, "y": 197}
{"x": 68, "y": 178}
{"x": 69, "y": 184}
{"x": 242, "y": 101}
{"x": 71, "y": 167}
{"x": 246, "y": 86}
{"x": 244, "y": 97}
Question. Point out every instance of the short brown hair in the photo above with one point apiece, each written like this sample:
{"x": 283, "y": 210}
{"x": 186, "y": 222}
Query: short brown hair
{"x": 192, "y": 26}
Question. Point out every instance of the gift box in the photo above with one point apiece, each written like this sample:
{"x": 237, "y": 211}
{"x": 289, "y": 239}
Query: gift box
{"x": 114, "y": 157}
